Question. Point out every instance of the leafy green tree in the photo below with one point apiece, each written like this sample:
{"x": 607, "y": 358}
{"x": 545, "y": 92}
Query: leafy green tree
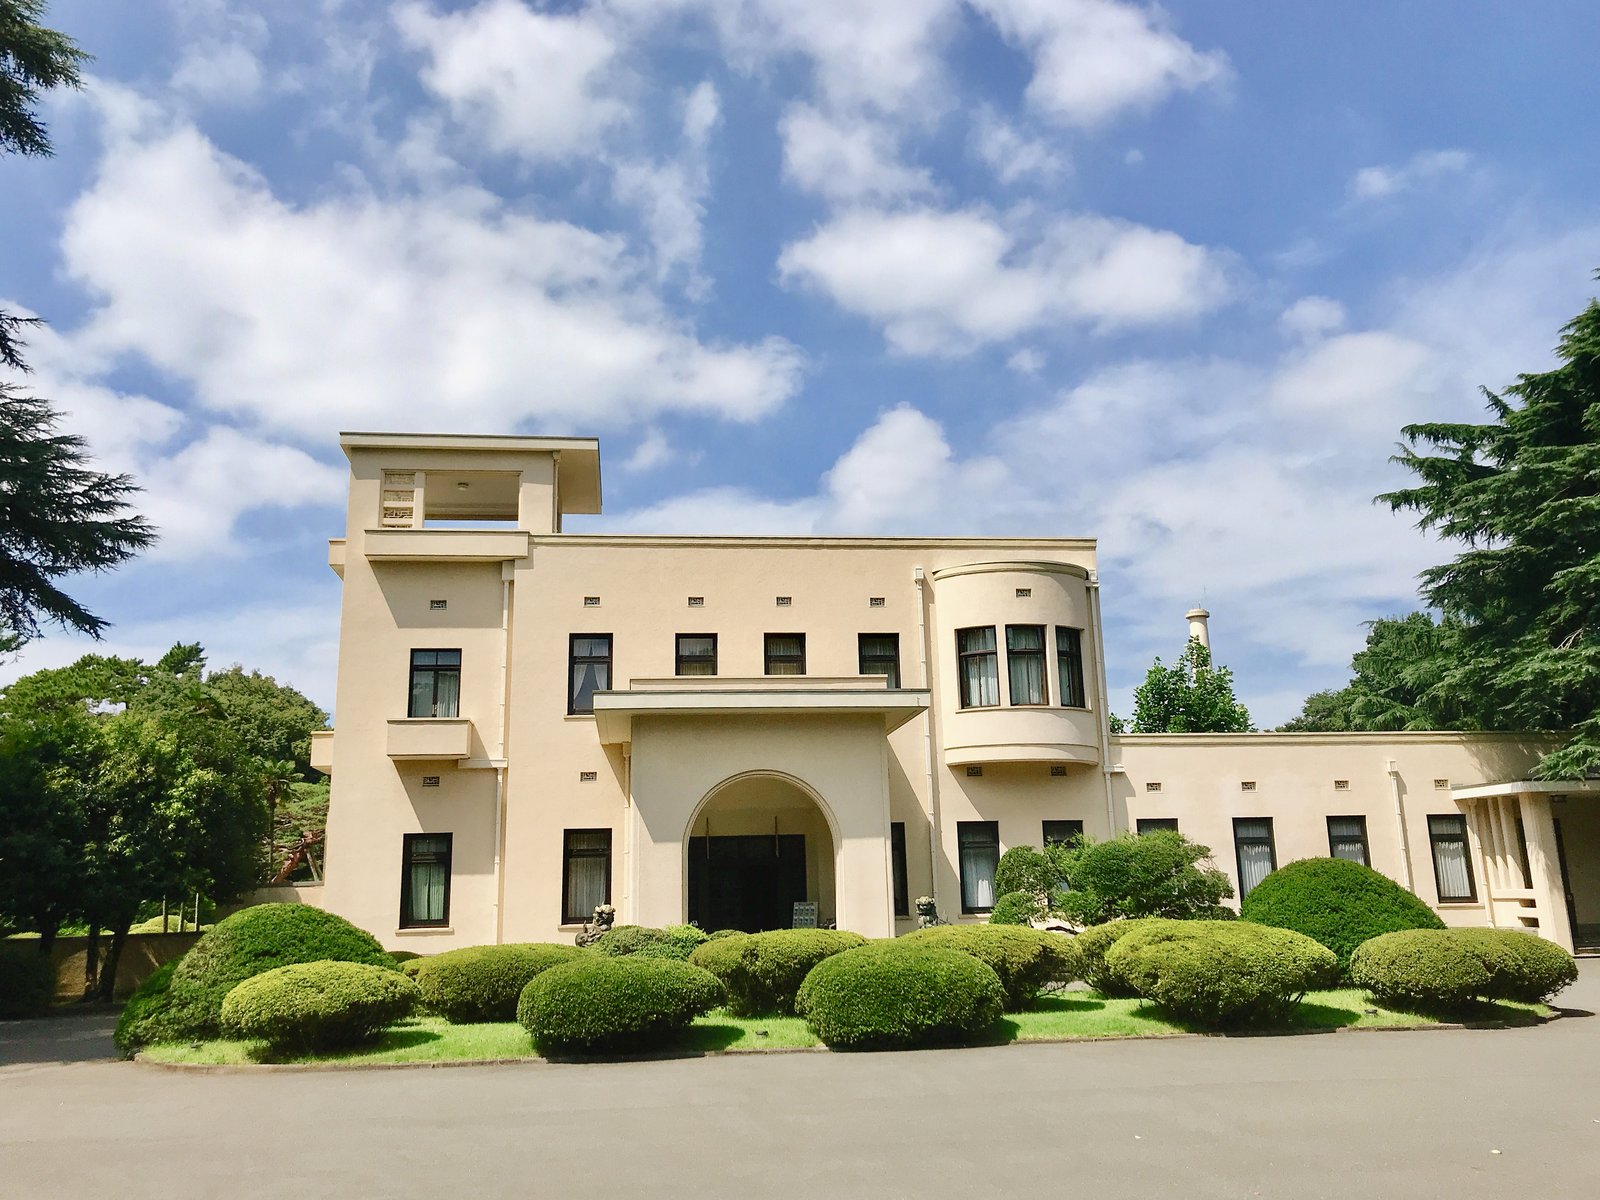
{"x": 1190, "y": 696}
{"x": 274, "y": 719}
{"x": 1159, "y": 874}
{"x": 1522, "y": 494}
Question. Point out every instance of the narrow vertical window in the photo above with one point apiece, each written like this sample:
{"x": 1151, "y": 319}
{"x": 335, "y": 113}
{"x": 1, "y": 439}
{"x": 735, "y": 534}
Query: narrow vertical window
{"x": 1347, "y": 838}
{"x": 1252, "y": 844}
{"x": 1452, "y": 865}
{"x": 435, "y": 683}
{"x": 1025, "y": 664}
{"x": 980, "y": 667}
{"x": 879, "y": 654}
{"x": 897, "y": 861}
{"x": 425, "y": 880}
{"x": 589, "y": 670}
{"x": 786, "y": 654}
{"x": 585, "y": 873}
{"x": 1146, "y": 825}
{"x": 1069, "y": 666}
{"x": 696, "y": 654}
{"x": 1062, "y": 833}
{"x": 979, "y": 845}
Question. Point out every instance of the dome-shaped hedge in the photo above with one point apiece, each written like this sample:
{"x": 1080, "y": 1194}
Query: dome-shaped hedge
{"x": 1221, "y": 973}
{"x": 602, "y": 1004}
{"x": 1024, "y": 959}
{"x": 1337, "y": 902}
{"x": 306, "y": 1008}
{"x": 1092, "y": 945}
{"x": 1447, "y": 971}
{"x": 259, "y": 939}
{"x": 675, "y": 941}
{"x": 483, "y": 983}
{"x": 763, "y": 971}
{"x": 894, "y": 995}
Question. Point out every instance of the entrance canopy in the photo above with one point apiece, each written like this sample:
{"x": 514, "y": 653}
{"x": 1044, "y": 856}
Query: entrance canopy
{"x": 786, "y": 695}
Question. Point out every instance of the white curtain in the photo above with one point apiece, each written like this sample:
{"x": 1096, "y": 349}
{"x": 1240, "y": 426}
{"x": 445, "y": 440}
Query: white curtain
{"x": 1254, "y": 842}
{"x": 430, "y": 874}
{"x": 1347, "y": 838}
{"x": 1450, "y": 865}
{"x": 786, "y": 654}
{"x": 980, "y": 667}
{"x": 980, "y": 854}
{"x": 446, "y": 693}
{"x": 588, "y": 871}
{"x": 1025, "y": 663}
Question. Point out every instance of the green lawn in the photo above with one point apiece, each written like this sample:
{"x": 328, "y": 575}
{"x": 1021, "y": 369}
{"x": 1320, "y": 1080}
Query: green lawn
{"x": 1065, "y": 1015}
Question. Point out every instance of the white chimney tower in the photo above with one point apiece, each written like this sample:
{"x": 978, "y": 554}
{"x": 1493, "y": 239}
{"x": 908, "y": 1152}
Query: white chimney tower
{"x": 1198, "y": 628}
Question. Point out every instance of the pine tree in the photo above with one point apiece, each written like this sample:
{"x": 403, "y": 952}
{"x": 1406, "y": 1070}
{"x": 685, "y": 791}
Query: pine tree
{"x": 1523, "y": 493}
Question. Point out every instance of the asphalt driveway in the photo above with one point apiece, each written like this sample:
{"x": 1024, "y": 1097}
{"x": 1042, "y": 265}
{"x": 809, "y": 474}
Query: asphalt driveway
{"x": 1457, "y": 1114}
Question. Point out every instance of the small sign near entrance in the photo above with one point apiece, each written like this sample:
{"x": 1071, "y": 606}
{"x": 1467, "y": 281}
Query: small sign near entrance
{"x": 805, "y": 914}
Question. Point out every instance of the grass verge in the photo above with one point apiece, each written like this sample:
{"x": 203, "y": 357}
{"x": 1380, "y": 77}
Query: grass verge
{"x": 1064, "y": 1015}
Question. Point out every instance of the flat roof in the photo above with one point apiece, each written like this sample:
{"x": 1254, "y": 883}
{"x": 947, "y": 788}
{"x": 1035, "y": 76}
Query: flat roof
{"x": 615, "y": 711}
{"x": 577, "y": 475}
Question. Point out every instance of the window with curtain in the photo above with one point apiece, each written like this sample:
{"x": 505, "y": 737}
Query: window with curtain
{"x": 979, "y": 667}
{"x": 879, "y": 654}
{"x": 589, "y": 670}
{"x": 425, "y": 880}
{"x": 696, "y": 654}
{"x": 1152, "y": 824}
{"x": 1252, "y": 844}
{"x": 585, "y": 873}
{"x": 1062, "y": 833}
{"x": 1069, "y": 666}
{"x": 435, "y": 683}
{"x": 1025, "y": 664}
{"x": 979, "y": 845}
{"x": 1452, "y": 865}
{"x": 897, "y": 859}
{"x": 786, "y": 654}
{"x": 1347, "y": 838}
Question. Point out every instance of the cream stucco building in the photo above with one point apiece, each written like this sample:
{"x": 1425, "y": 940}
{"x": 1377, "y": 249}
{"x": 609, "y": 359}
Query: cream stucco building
{"x": 749, "y": 732}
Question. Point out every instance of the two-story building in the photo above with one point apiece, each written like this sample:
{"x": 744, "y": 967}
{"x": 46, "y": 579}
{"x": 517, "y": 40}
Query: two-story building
{"x": 745, "y": 732}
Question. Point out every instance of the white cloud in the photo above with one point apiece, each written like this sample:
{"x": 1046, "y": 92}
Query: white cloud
{"x": 531, "y": 83}
{"x": 846, "y": 158}
{"x": 1011, "y": 154}
{"x": 671, "y": 195}
{"x": 443, "y": 309}
{"x": 1312, "y": 317}
{"x": 946, "y": 282}
{"x": 1094, "y": 59}
{"x": 653, "y": 450}
{"x": 1026, "y": 361}
{"x": 1377, "y": 183}
{"x": 225, "y": 73}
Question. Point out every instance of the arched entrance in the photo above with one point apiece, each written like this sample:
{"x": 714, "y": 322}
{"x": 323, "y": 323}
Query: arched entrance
{"x": 759, "y": 844}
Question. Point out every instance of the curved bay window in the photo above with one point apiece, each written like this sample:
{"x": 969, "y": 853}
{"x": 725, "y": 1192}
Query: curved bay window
{"x": 1069, "y": 666}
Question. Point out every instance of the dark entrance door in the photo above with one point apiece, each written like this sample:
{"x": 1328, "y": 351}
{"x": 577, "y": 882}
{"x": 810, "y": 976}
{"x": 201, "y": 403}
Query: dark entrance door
{"x": 748, "y": 883}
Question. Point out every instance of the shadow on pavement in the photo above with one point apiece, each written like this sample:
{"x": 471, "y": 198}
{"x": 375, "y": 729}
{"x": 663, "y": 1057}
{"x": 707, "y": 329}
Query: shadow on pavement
{"x": 67, "y": 1037}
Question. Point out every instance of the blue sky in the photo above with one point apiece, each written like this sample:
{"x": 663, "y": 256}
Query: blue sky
{"x": 1170, "y": 277}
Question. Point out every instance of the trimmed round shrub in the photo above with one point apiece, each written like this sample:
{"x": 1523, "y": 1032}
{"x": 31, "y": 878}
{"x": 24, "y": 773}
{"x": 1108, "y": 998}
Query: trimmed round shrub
{"x": 1024, "y": 959}
{"x": 599, "y": 1004}
{"x": 1013, "y": 908}
{"x": 402, "y": 957}
{"x": 483, "y": 983}
{"x": 259, "y": 939}
{"x": 717, "y": 934}
{"x": 895, "y": 995}
{"x": 147, "y": 1017}
{"x": 763, "y": 971}
{"x": 308, "y": 1008}
{"x": 1420, "y": 970}
{"x": 675, "y": 941}
{"x": 1339, "y": 903}
{"x": 27, "y": 980}
{"x": 1522, "y": 966}
{"x": 1222, "y": 973}
{"x": 411, "y": 966}
{"x": 1092, "y": 945}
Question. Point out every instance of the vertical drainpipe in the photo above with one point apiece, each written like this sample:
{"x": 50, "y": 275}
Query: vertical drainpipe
{"x": 1400, "y": 823}
{"x": 506, "y": 572}
{"x": 1103, "y": 699}
{"x": 924, "y": 648}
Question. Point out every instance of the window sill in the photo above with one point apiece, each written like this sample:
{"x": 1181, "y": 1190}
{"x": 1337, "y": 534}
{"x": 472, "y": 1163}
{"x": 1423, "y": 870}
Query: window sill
{"x": 981, "y": 708}
{"x": 588, "y": 716}
{"x": 1460, "y": 904}
{"x": 417, "y": 930}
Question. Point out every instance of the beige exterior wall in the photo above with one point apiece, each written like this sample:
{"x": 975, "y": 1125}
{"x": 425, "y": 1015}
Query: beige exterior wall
{"x": 834, "y": 757}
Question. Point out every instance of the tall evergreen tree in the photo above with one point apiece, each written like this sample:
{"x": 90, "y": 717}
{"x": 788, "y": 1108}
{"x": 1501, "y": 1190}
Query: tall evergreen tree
{"x": 1522, "y": 492}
